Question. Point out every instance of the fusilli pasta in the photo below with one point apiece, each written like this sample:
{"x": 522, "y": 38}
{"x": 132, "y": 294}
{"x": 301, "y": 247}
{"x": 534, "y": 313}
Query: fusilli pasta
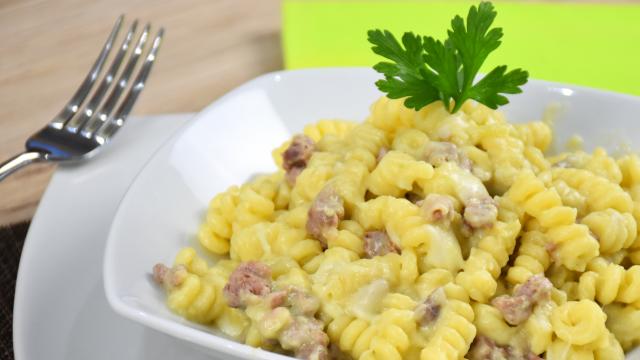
{"x": 422, "y": 235}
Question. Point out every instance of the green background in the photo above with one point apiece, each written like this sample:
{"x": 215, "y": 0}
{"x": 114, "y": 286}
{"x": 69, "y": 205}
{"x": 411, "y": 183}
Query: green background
{"x": 595, "y": 45}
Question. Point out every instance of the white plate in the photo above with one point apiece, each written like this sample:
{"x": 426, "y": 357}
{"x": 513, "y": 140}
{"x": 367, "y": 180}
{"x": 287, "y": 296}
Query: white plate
{"x": 60, "y": 310}
{"x": 233, "y": 138}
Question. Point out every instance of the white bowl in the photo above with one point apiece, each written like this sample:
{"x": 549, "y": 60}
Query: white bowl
{"x": 232, "y": 139}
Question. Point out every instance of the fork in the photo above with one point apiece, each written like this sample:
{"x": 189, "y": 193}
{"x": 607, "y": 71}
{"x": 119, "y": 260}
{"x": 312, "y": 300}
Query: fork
{"x": 82, "y": 127}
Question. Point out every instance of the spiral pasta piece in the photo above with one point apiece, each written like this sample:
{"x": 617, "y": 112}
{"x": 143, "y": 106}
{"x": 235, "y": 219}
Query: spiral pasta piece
{"x": 349, "y": 182}
{"x": 483, "y": 115}
{"x": 454, "y": 329}
{"x": 407, "y": 228}
{"x": 379, "y": 214}
{"x": 197, "y": 299}
{"x": 536, "y": 133}
{"x": 571, "y": 197}
{"x": 410, "y": 141}
{"x": 350, "y": 236}
{"x": 624, "y": 323}
{"x": 435, "y": 121}
{"x": 630, "y": 170}
{"x": 600, "y": 163}
{"x": 450, "y": 179}
{"x": 272, "y": 239}
{"x": 614, "y": 230}
{"x": 385, "y": 337}
{"x": 580, "y": 328}
{"x": 483, "y": 266}
{"x": 574, "y": 246}
{"x": 364, "y": 144}
{"x": 255, "y": 204}
{"x": 488, "y": 321}
{"x": 506, "y": 154}
{"x": 612, "y": 350}
{"x": 532, "y": 196}
{"x": 560, "y": 350}
{"x": 539, "y": 329}
{"x": 334, "y": 127}
{"x": 199, "y": 296}
{"x": 390, "y": 115}
{"x": 606, "y": 283}
{"x": 310, "y": 181}
{"x": 482, "y": 167}
{"x": 579, "y": 322}
{"x": 216, "y": 230}
{"x": 600, "y": 193}
{"x": 396, "y": 173}
{"x": 348, "y": 240}
{"x": 341, "y": 282}
{"x": 532, "y": 257}
{"x": 188, "y": 258}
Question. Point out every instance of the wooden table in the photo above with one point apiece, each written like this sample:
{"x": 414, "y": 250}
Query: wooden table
{"x": 47, "y": 47}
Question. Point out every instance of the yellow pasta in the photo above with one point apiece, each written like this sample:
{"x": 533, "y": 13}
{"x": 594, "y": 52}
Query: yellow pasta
{"x": 216, "y": 230}
{"x": 539, "y": 329}
{"x": 454, "y": 330}
{"x": 199, "y": 296}
{"x": 535, "y": 133}
{"x": 322, "y": 128}
{"x": 571, "y": 197}
{"x": 396, "y": 173}
{"x": 489, "y": 321}
{"x": 624, "y": 323}
{"x": 391, "y": 115}
{"x": 532, "y": 257}
{"x": 263, "y": 240}
{"x": 614, "y": 230}
{"x": 630, "y": 170}
{"x": 364, "y": 143}
{"x": 600, "y": 163}
{"x": 483, "y": 266}
{"x": 507, "y": 155}
{"x": 579, "y": 323}
{"x": 349, "y": 182}
{"x": 410, "y": 141}
{"x": 600, "y": 193}
{"x": 253, "y": 207}
{"x": 422, "y": 235}
{"x": 574, "y": 246}
{"x": 409, "y": 229}
{"x": 606, "y": 283}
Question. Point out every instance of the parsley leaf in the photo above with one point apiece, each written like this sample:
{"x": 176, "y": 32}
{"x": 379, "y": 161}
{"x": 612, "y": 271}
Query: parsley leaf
{"x": 403, "y": 77}
{"x": 425, "y": 70}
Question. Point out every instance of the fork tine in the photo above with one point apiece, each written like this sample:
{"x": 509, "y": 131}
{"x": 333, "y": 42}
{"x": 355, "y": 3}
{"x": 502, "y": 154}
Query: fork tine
{"x": 75, "y": 123}
{"x": 76, "y": 100}
{"x": 115, "y": 123}
{"x": 102, "y": 115}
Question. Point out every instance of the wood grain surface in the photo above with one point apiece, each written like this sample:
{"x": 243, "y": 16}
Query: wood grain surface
{"x": 47, "y": 47}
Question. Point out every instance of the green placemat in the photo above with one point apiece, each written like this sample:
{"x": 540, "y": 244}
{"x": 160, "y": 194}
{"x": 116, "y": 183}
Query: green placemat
{"x": 595, "y": 45}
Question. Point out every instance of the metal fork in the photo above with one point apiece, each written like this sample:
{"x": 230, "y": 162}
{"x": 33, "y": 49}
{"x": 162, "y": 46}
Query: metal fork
{"x": 81, "y": 128}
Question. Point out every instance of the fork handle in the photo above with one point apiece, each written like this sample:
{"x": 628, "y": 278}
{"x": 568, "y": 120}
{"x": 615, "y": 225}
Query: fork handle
{"x": 19, "y": 161}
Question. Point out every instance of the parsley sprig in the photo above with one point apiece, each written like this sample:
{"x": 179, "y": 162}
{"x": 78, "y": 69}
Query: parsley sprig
{"x": 425, "y": 70}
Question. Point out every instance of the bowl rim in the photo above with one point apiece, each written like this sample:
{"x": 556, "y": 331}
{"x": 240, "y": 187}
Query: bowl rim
{"x": 211, "y": 340}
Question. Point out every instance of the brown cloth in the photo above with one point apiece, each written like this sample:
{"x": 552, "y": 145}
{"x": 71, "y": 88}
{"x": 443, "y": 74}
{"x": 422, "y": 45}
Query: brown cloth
{"x": 11, "y": 242}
